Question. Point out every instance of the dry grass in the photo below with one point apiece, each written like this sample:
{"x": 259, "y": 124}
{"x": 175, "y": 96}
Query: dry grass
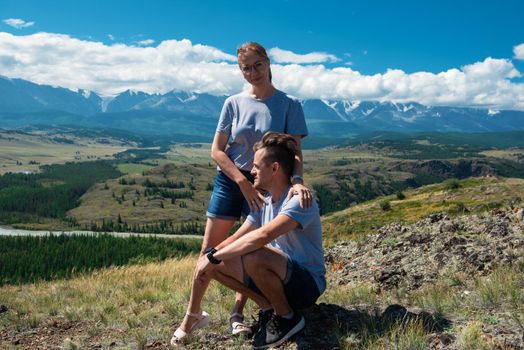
{"x": 470, "y": 337}
{"x": 23, "y": 148}
{"x": 146, "y": 301}
{"x": 196, "y": 153}
{"x": 511, "y": 154}
{"x": 479, "y": 308}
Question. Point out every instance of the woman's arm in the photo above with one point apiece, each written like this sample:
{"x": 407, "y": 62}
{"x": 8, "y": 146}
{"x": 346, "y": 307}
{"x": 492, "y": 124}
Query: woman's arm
{"x": 254, "y": 198}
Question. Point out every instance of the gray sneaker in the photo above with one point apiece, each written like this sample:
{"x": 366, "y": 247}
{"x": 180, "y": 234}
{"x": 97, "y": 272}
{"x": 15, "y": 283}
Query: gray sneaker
{"x": 260, "y": 324}
{"x": 278, "y": 330}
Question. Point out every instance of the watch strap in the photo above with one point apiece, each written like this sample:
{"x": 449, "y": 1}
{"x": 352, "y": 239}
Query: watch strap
{"x": 296, "y": 178}
{"x": 209, "y": 254}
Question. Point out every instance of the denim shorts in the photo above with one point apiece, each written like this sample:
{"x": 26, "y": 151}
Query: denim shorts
{"x": 227, "y": 201}
{"x": 299, "y": 286}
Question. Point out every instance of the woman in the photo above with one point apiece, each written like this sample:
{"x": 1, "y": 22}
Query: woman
{"x": 245, "y": 118}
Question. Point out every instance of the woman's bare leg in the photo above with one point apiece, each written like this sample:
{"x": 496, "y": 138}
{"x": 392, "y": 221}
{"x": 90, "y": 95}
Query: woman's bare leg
{"x": 238, "y": 307}
{"x": 216, "y": 231}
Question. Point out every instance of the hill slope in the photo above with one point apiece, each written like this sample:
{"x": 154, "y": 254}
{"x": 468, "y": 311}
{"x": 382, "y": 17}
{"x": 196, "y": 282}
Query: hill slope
{"x": 460, "y": 274}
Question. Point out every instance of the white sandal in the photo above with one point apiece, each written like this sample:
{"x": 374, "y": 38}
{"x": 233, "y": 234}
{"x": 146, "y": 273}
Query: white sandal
{"x": 239, "y": 327}
{"x": 179, "y": 334}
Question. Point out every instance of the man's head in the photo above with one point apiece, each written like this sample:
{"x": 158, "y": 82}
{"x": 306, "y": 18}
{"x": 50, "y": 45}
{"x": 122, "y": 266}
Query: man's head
{"x": 274, "y": 159}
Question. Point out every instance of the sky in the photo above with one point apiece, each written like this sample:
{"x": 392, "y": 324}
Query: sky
{"x": 452, "y": 53}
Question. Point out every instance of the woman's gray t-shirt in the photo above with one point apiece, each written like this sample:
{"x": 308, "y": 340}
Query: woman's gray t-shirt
{"x": 246, "y": 119}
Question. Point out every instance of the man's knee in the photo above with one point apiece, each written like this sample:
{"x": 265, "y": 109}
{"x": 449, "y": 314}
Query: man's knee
{"x": 253, "y": 261}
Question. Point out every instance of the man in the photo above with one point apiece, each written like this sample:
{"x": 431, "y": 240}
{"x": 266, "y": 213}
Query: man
{"x": 275, "y": 258}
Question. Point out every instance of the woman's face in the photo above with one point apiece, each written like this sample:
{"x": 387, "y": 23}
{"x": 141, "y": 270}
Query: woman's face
{"x": 255, "y": 68}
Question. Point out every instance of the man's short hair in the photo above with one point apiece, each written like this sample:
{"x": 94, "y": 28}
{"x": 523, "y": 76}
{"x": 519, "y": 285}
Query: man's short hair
{"x": 280, "y": 148}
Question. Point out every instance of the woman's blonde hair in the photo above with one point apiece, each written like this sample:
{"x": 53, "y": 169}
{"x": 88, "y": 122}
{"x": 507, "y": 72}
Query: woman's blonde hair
{"x": 259, "y": 49}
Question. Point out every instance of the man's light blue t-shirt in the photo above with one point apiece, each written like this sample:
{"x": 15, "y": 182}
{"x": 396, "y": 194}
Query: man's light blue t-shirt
{"x": 246, "y": 119}
{"x": 303, "y": 244}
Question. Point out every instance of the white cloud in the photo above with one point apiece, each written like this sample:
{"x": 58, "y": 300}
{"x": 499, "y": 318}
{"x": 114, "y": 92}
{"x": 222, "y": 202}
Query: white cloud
{"x": 111, "y": 37}
{"x": 482, "y": 84}
{"x": 518, "y": 51}
{"x": 18, "y": 23}
{"x": 284, "y": 56}
{"x": 146, "y": 42}
{"x": 61, "y": 60}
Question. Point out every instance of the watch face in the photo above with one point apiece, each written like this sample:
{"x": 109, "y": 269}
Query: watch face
{"x": 210, "y": 250}
{"x": 297, "y": 177}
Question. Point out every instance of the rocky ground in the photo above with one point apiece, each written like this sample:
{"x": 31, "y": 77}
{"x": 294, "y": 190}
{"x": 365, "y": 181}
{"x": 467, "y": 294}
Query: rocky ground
{"x": 413, "y": 256}
{"x": 410, "y": 256}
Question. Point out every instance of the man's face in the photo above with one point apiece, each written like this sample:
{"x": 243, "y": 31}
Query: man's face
{"x": 262, "y": 171}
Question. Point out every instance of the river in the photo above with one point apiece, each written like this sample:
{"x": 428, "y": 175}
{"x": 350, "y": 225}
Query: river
{"x": 9, "y": 231}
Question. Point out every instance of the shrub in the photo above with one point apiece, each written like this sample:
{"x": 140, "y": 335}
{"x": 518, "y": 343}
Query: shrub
{"x": 385, "y": 205}
{"x": 459, "y": 208}
{"x": 451, "y": 184}
{"x": 400, "y": 195}
{"x": 470, "y": 338}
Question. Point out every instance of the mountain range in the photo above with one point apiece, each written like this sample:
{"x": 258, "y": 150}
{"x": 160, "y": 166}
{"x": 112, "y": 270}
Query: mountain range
{"x": 25, "y": 103}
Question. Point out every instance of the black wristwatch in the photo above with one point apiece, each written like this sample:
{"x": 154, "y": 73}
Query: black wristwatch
{"x": 209, "y": 253}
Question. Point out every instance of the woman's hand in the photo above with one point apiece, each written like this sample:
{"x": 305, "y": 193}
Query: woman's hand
{"x": 254, "y": 199}
{"x": 304, "y": 193}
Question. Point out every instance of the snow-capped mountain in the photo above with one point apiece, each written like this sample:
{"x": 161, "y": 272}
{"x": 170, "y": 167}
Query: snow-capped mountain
{"x": 17, "y": 95}
{"x": 23, "y": 102}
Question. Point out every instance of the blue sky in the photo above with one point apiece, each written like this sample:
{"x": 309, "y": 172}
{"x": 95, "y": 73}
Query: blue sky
{"x": 354, "y": 40}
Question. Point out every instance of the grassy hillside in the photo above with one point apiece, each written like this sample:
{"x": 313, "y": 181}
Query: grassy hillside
{"x": 370, "y": 166}
{"x": 131, "y": 202}
{"x": 342, "y": 177}
{"x": 455, "y": 197}
{"x": 25, "y": 152}
{"x": 137, "y": 307}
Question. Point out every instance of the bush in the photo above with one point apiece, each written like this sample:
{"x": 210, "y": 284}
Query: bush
{"x": 459, "y": 208}
{"x": 400, "y": 195}
{"x": 451, "y": 184}
{"x": 385, "y": 205}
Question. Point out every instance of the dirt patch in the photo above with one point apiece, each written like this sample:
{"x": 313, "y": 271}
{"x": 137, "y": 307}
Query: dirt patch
{"x": 60, "y": 334}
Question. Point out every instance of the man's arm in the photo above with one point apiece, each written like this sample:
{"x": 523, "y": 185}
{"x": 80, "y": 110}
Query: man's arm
{"x": 256, "y": 239}
{"x": 242, "y": 230}
{"x": 203, "y": 263}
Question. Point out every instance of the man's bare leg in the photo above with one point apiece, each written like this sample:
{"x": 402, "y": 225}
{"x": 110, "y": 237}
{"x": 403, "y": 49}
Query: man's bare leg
{"x": 231, "y": 274}
{"x": 268, "y": 268}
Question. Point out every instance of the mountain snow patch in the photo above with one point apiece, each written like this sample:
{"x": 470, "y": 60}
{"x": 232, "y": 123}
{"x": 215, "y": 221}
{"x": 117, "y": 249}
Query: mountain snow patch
{"x": 350, "y": 106}
{"x": 189, "y": 99}
{"x": 85, "y": 93}
{"x": 333, "y": 106}
{"x": 407, "y": 108}
{"x": 368, "y": 111}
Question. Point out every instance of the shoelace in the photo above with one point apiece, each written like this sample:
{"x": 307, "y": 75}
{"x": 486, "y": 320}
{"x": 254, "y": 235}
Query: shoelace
{"x": 274, "y": 324}
{"x": 263, "y": 318}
